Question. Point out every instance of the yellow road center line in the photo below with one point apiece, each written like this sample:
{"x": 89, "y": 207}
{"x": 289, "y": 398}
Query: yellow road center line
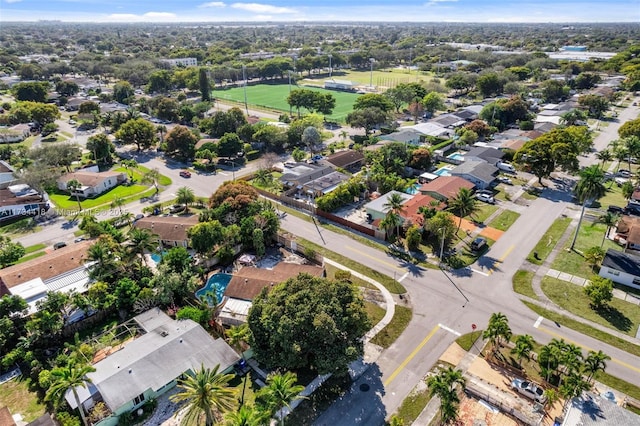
{"x": 504, "y": 256}
{"x": 411, "y": 356}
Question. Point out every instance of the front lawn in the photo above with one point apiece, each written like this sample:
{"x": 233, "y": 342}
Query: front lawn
{"x": 66, "y": 202}
{"x": 139, "y": 171}
{"x": 15, "y": 394}
{"x": 619, "y": 315}
{"x": 374, "y": 312}
{"x": 483, "y": 212}
{"x": 522, "y": 283}
{"x": 504, "y": 220}
{"x": 549, "y": 240}
{"x": 394, "y": 329}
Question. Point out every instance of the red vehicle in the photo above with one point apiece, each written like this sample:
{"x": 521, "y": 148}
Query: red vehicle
{"x": 185, "y": 174}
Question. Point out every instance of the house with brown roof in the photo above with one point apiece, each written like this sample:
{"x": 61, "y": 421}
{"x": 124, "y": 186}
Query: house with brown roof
{"x": 445, "y": 187}
{"x": 62, "y": 270}
{"x": 411, "y": 208}
{"x": 171, "y": 230}
{"x": 17, "y": 201}
{"x": 628, "y": 232}
{"x": 92, "y": 183}
{"x": 247, "y": 283}
{"x": 349, "y": 160}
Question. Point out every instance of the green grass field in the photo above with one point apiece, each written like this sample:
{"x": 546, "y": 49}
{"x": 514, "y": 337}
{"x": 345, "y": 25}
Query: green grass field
{"x": 274, "y": 96}
{"x": 382, "y": 79}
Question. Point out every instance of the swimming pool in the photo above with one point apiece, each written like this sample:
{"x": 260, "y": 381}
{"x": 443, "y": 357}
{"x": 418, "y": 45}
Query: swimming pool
{"x": 456, "y": 156}
{"x": 443, "y": 171}
{"x": 218, "y": 284}
{"x": 157, "y": 257}
{"x": 413, "y": 189}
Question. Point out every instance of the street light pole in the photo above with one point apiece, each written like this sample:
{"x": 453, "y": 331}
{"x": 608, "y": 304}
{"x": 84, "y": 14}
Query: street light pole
{"x": 371, "y": 75}
{"x": 244, "y": 77}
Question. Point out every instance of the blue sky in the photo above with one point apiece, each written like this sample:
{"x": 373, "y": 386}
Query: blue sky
{"x": 322, "y": 10}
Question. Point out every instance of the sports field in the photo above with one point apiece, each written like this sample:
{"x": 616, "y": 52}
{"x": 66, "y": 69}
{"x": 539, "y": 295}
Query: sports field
{"x": 274, "y": 96}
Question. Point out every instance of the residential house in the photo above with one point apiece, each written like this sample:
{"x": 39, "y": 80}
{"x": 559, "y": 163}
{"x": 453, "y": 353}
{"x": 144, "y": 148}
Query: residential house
{"x": 488, "y": 154}
{"x": 621, "y": 268}
{"x": 480, "y": 173}
{"x": 311, "y": 180}
{"x": 171, "y": 230}
{"x": 61, "y": 270}
{"x": 432, "y": 129}
{"x": 590, "y": 409}
{"x": 151, "y": 364}
{"x": 405, "y": 135}
{"x": 628, "y": 232}
{"x": 348, "y": 160}
{"x": 93, "y": 183}
{"x": 445, "y": 187}
{"x": 20, "y": 200}
{"x": 15, "y": 134}
{"x": 450, "y": 121}
{"x": 376, "y": 209}
{"x": 7, "y": 177}
{"x": 249, "y": 282}
{"x": 411, "y": 208}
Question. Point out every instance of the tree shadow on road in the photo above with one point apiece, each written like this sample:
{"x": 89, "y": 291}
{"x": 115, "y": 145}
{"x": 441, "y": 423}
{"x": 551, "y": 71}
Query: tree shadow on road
{"x": 488, "y": 263}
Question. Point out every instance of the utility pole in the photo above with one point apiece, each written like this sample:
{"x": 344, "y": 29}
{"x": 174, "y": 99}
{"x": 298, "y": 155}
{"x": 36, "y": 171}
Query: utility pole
{"x": 244, "y": 77}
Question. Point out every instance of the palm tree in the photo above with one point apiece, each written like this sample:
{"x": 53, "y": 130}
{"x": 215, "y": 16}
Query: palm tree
{"x": 604, "y": 156}
{"x": 141, "y": 240}
{"x": 73, "y": 186}
{"x": 573, "y": 386}
{"x": 280, "y": 391}
{"x": 523, "y": 347}
{"x": 627, "y": 190}
{"x": 102, "y": 254}
{"x": 394, "y": 205}
{"x": 632, "y": 146}
{"x": 162, "y": 130}
{"x": 571, "y": 358}
{"x": 246, "y": 416}
{"x": 463, "y": 204}
{"x": 497, "y": 329}
{"x": 236, "y": 336}
{"x": 129, "y": 165}
{"x": 549, "y": 358}
{"x": 207, "y": 396}
{"x": 609, "y": 219}
{"x": 570, "y": 118}
{"x": 152, "y": 177}
{"x": 589, "y": 187}
{"x": 391, "y": 221}
{"x": 185, "y": 196}
{"x": 263, "y": 177}
{"x": 594, "y": 362}
{"x": 443, "y": 384}
{"x": 118, "y": 202}
{"x": 69, "y": 377}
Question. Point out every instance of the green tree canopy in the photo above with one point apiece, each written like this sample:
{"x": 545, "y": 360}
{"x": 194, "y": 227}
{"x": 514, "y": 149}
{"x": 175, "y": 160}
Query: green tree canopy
{"x": 308, "y": 322}
{"x": 181, "y": 142}
{"x": 137, "y": 131}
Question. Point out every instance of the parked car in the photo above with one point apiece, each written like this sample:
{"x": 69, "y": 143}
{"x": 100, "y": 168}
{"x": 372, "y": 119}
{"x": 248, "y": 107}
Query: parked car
{"x": 615, "y": 210}
{"x": 620, "y": 181}
{"x": 59, "y": 245}
{"x": 483, "y": 196}
{"x": 505, "y": 180}
{"x": 185, "y": 174}
{"x": 505, "y": 167}
{"x": 176, "y": 208}
{"x": 478, "y": 244}
{"x": 625, "y": 173}
{"x": 529, "y": 389}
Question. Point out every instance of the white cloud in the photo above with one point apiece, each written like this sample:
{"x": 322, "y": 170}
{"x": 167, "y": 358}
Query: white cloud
{"x": 262, "y": 8}
{"x": 12, "y": 1}
{"x": 159, "y": 15}
{"x": 435, "y": 2}
{"x": 213, "y": 4}
{"x": 124, "y": 16}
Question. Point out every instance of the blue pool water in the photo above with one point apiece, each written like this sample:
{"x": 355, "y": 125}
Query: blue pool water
{"x": 414, "y": 189}
{"x": 456, "y": 156}
{"x": 218, "y": 284}
{"x": 157, "y": 257}
{"x": 443, "y": 171}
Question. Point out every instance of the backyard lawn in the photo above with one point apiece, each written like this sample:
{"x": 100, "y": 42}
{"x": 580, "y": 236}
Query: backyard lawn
{"x": 16, "y": 395}
{"x": 275, "y": 96}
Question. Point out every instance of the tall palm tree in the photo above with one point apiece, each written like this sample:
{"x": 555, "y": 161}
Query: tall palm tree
{"x": 609, "y": 219}
{"x": 444, "y": 384}
{"x": 141, "y": 240}
{"x": 523, "y": 347}
{"x": 632, "y": 146}
{"x": 105, "y": 264}
{"x": 571, "y": 358}
{"x": 390, "y": 222}
{"x": 594, "y": 362}
{"x": 463, "y": 204}
{"x": 129, "y": 165}
{"x": 589, "y": 187}
{"x": 118, "y": 202}
{"x": 280, "y": 391}
{"x": 604, "y": 156}
{"x": 73, "y": 186}
{"x": 207, "y": 395}
{"x": 246, "y": 416}
{"x": 162, "y": 130}
{"x": 394, "y": 205}
{"x": 570, "y": 118}
{"x": 152, "y": 177}
{"x": 497, "y": 329}
{"x": 572, "y": 386}
{"x": 236, "y": 336}
{"x": 185, "y": 196}
{"x": 69, "y": 377}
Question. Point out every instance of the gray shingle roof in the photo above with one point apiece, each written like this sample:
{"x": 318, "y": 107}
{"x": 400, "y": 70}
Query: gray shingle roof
{"x": 479, "y": 169}
{"x": 621, "y": 261}
{"x": 590, "y": 409}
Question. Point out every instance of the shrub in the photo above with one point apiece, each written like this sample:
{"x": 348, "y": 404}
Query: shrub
{"x": 201, "y": 316}
{"x": 599, "y": 291}
{"x": 252, "y": 155}
{"x": 66, "y": 419}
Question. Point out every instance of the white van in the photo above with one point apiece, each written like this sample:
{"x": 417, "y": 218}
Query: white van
{"x": 506, "y": 167}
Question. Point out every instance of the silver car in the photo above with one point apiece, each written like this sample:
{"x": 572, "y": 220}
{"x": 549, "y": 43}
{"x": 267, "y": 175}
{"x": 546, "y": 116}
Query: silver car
{"x": 529, "y": 389}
